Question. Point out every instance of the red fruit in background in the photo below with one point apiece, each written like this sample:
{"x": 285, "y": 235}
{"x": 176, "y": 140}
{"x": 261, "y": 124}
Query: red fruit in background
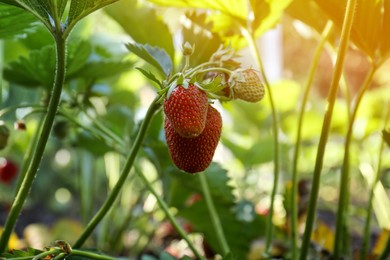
{"x": 194, "y": 155}
{"x": 186, "y": 109}
{"x": 8, "y": 170}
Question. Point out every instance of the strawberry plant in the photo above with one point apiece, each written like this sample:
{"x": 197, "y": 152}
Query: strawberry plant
{"x": 219, "y": 129}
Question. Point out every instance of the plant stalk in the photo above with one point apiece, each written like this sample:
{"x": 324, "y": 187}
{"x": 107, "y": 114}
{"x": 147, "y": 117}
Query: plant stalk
{"x": 367, "y": 224}
{"x": 275, "y": 130}
{"x": 41, "y": 143}
{"x": 311, "y": 212}
{"x": 215, "y": 220}
{"x": 124, "y": 173}
{"x": 341, "y": 223}
{"x": 294, "y": 191}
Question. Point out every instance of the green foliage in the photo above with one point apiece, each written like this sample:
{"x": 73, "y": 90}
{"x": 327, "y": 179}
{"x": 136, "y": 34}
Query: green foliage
{"x": 153, "y": 55}
{"x": 15, "y": 21}
{"x": 151, "y": 22}
{"x": 38, "y": 69}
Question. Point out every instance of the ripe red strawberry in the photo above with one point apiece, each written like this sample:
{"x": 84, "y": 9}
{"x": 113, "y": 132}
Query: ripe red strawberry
{"x": 194, "y": 155}
{"x": 186, "y": 109}
{"x": 8, "y": 170}
{"x": 247, "y": 86}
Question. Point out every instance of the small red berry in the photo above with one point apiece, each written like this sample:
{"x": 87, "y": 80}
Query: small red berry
{"x": 194, "y": 155}
{"x": 186, "y": 109}
{"x": 8, "y": 170}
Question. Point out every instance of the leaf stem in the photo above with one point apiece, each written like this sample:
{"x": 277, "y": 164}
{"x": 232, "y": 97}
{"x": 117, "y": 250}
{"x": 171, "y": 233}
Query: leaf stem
{"x": 169, "y": 215}
{"x": 215, "y": 220}
{"x": 367, "y": 224}
{"x": 91, "y": 255}
{"x": 341, "y": 223}
{"x": 125, "y": 172}
{"x": 41, "y": 143}
{"x": 275, "y": 129}
{"x": 294, "y": 191}
{"x": 344, "y": 39}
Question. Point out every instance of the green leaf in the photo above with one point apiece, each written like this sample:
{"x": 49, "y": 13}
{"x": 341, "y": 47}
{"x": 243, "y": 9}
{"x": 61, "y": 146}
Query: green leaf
{"x": 77, "y": 56}
{"x": 155, "y": 56}
{"x": 386, "y": 137}
{"x": 38, "y": 68}
{"x": 81, "y": 8}
{"x": 308, "y": 12}
{"x": 35, "y": 70}
{"x": 267, "y": 14}
{"x": 102, "y": 69}
{"x": 15, "y": 21}
{"x": 20, "y": 253}
{"x": 198, "y": 33}
{"x": 41, "y": 9}
{"x": 150, "y": 76}
{"x": 238, "y": 219}
{"x": 151, "y": 22}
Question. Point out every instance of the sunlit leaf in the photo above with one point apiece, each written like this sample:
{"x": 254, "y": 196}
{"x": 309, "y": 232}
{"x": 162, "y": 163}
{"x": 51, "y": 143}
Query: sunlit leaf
{"x": 15, "y": 21}
{"x": 234, "y": 8}
{"x": 381, "y": 241}
{"x": 155, "y": 56}
{"x": 129, "y": 13}
{"x": 81, "y": 8}
{"x": 199, "y": 33}
{"x": 308, "y": 12}
{"x": 385, "y": 44}
{"x": 366, "y": 30}
{"x": 323, "y": 236}
{"x": 267, "y": 14}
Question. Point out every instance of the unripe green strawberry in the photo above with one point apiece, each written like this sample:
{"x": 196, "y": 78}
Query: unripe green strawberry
{"x": 186, "y": 109}
{"x": 248, "y": 86}
{"x": 194, "y": 155}
{"x": 4, "y": 135}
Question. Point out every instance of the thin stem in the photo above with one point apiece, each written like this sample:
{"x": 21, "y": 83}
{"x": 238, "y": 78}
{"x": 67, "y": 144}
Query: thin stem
{"x": 125, "y": 172}
{"x": 341, "y": 228}
{"x": 275, "y": 129}
{"x": 41, "y": 143}
{"x": 169, "y": 215}
{"x": 215, "y": 220}
{"x": 344, "y": 39}
{"x": 294, "y": 191}
{"x": 367, "y": 225}
{"x": 91, "y": 255}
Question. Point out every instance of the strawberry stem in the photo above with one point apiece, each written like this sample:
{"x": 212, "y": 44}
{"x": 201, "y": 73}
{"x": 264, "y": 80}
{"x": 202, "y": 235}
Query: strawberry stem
{"x": 342, "y": 212}
{"x": 39, "y": 148}
{"x": 124, "y": 173}
{"x": 311, "y": 211}
{"x": 169, "y": 215}
{"x": 215, "y": 220}
{"x": 367, "y": 224}
{"x": 294, "y": 190}
{"x": 250, "y": 37}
